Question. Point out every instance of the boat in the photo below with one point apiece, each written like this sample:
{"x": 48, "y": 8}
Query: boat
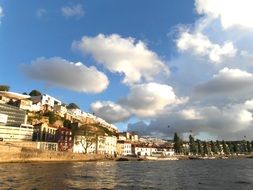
{"x": 160, "y": 158}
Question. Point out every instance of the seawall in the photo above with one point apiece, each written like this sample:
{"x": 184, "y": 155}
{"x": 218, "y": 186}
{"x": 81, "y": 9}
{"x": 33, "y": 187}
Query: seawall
{"x": 27, "y": 152}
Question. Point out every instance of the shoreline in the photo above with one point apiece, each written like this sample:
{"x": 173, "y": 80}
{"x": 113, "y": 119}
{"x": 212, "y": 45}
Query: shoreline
{"x": 28, "y": 153}
{"x": 118, "y": 159}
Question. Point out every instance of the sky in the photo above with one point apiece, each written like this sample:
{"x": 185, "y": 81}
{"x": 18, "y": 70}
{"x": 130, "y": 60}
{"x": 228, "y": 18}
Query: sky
{"x": 154, "y": 67}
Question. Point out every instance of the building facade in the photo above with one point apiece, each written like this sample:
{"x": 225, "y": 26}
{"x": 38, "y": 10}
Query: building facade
{"x": 15, "y": 116}
{"x": 64, "y": 139}
{"x": 124, "y": 148}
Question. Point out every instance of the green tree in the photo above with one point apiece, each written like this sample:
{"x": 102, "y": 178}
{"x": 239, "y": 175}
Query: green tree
{"x": 35, "y": 93}
{"x": 67, "y": 123}
{"x": 235, "y": 147}
{"x": 200, "y": 148}
{"x": 192, "y": 144}
{"x": 51, "y": 117}
{"x": 218, "y": 145}
{"x": 230, "y": 147}
{"x": 72, "y": 106}
{"x": 4, "y": 88}
{"x": 244, "y": 146}
{"x": 177, "y": 144}
{"x": 205, "y": 148}
{"x": 225, "y": 148}
{"x": 249, "y": 148}
{"x": 87, "y": 135}
{"x": 213, "y": 148}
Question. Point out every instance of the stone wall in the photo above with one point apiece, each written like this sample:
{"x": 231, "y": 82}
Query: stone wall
{"x": 13, "y": 152}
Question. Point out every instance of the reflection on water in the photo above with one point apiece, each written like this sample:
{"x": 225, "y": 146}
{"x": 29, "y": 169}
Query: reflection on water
{"x": 188, "y": 174}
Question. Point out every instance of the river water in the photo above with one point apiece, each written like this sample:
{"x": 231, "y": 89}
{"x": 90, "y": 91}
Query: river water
{"x": 185, "y": 174}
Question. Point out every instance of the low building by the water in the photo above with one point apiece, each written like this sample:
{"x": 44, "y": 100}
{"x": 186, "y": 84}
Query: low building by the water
{"x": 95, "y": 144}
{"x": 13, "y": 125}
{"x": 124, "y": 148}
{"x": 44, "y": 132}
{"x": 64, "y": 139}
{"x": 107, "y": 145}
{"x": 13, "y": 133}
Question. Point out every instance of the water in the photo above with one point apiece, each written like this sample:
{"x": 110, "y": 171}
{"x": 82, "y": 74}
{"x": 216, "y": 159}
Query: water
{"x": 187, "y": 174}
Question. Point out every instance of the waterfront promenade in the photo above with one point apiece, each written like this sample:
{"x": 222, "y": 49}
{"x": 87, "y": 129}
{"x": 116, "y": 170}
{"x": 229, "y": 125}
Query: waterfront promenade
{"x": 27, "y": 152}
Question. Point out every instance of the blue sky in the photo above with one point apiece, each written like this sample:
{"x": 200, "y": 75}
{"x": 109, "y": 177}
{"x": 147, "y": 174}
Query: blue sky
{"x": 26, "y": 36}
{"x": 142, "y": 65}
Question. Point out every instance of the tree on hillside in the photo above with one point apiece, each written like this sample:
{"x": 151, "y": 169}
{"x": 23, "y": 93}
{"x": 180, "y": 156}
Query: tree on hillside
{"x": 4, "y": 88}
{"x": 235, "y": 147}
{"x": 205, "y": 148}
{"x": 35, "y": 93}
{"x": 51, "y": 117}
{"x": 200, "y": 148}
{"x": 193, "y": 148}
{"x": 72, "y": 106}
{"x": 225, "y": 148}
{"x": 218, "y": 145}
{"x": 249, "y": 148}
{"x": 213, "y": 148}
{"x": 87, "y": 135}
{"x": 177, "y": 144}
{"x": 67, "y": 123}
{"x": 244, "y": 146}
{"x": 230, "y": 147}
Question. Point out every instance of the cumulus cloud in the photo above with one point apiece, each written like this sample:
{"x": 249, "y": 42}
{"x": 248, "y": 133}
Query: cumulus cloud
{"x": 199, "y": 44}
{"x": 110, "y": 111}
{"x": 75, "y": 11}
{"x": 56, "y": 71}
{"x": 229, "y": 122}
{"x": 124, "y": 56}
{"x": 220, "y": 103}
{"x": 228, "y": 82}
{"x": 147, "y": 100}
{"x": 1, "y": 13}
{"x": 235, "y": 13}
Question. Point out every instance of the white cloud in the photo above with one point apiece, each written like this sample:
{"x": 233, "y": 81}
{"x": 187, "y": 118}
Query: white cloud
{"x": 231, "y": 122}
{"x": 124, "y": 56}
{"x": 73, "y": 11}
{"x": 110, "y": 111}
{"x": 41, "y": 12}
{"x": 60, "y": 72}
{"x": 199, "y": 44}
{"x": 1, "y": 13}
{"x": 147, "y": 100}
{"x": 222, "y": 107}
{"x": 232, "y": 13}
{"x": 228, "y": 82}
{"x": 191, "y": 114}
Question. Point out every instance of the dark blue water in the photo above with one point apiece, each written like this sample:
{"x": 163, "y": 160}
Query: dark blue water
{"x": 187, "y": 174}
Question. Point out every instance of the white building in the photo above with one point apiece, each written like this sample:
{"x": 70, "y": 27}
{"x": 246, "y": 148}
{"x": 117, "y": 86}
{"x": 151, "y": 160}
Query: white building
{"x": 107, "y": 145}
{"x": 100, "y": 145}
{"x": 153, "y": 151}
{"x": 152, "y": 140}
{"x": 60, "y": 109}
{"x": 75, "y": 111}
{"x": 19, "y": 100}
{"x": 80, "y": 144}
{"x": 47, "y": 102}
{"x": 144, "y": 151}
{"x": 22, "y": 133}
{"x": 124, "y": 148}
